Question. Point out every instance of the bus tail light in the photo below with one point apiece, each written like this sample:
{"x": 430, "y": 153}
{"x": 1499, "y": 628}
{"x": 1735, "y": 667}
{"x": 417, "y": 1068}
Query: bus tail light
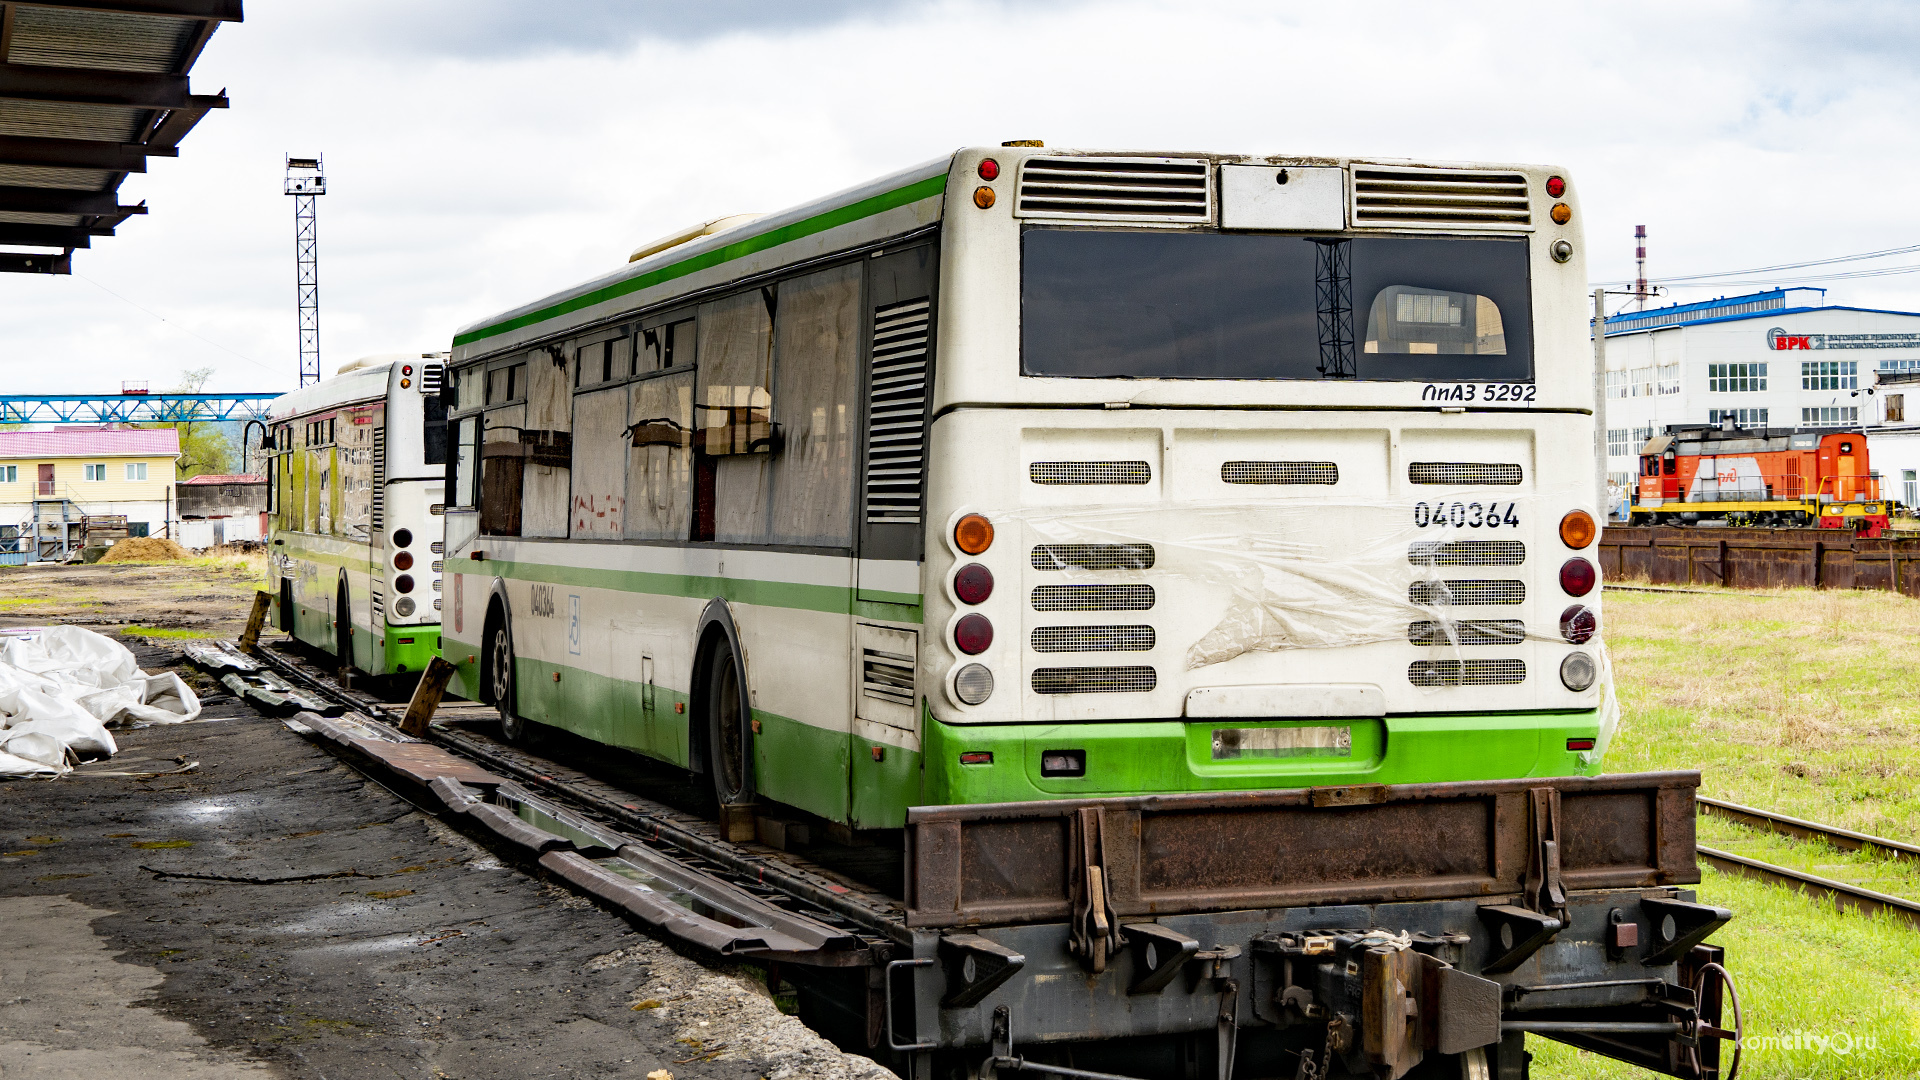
{"x": 403, "y": 583}
{"x": 973, "y": 684}
{"x": 976, "y": 757}
{"x": 973, "y": 534}
{"x": 989, "y": 169}
{"x": 403, "y": 561}
{"x": 973, "y": 633}
{"x": 973, "y": 584}
{"x": 1556, "y": 187}
{"x": 1578, "y": 671}
{"x": 403, "y": 607}
{"x": 1063, "y": 763}
{"x": 1578, "y": 624}
{"x": 1577, "y": 577}
{"x": 1577, "y": 529}
{"x": 1579, "y": 744}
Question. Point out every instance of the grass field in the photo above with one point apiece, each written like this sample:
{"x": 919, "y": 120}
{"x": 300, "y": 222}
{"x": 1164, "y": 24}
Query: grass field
{"x": 1805, "y": 702}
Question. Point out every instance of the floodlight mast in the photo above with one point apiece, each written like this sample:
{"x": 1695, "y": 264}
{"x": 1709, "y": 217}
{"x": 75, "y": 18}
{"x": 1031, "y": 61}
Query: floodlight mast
{"x": 307, "y": 180}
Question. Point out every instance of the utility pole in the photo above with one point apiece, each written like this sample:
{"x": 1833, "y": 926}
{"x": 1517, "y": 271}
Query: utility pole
{"x": 306, "y": 181}
{"x": 1600, "y": 397}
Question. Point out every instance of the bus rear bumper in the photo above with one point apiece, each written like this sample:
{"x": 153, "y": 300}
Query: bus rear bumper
{"x": 1023, "y": 762}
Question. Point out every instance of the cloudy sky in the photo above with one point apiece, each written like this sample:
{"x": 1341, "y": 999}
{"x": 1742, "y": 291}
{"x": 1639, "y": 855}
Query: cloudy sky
{"x": 482, "y": 153}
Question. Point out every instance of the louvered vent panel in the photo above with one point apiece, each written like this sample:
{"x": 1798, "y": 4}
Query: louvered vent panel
{"x": 1092, "y": 597}
{"x": 1461, "y": 198}
{"x": 1457, "y": 473}
{"x": 1280, "y": 472}
{"x": 439, "y": 566}
{"x": 1467, "y": 553}
{"x": 379, "y": 604}
{"x": 897, "y": 412}
{"x": 1084, "y": 473}
{"x": 436, "y": 604}
{"x": 439, "y": 547}
{"x": 1122, "y": 189}
{"x": 1094, "y": 680}
{"x": 1467, "y": 672}
{"x": 1057, "y": 639}
{"x": 1467, "y": 593}
{"x": 1092, "y": 557}
{"x": 887, "y": 676}
{"x": 378, "y": 511}
{"x": 1468, "y": 632}
{"x": 432, "y": 378}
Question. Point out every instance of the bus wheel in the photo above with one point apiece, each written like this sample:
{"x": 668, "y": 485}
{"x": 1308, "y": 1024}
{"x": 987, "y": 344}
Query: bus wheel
{"x": 727, "y": 729}
{"x": 500, "y": 677}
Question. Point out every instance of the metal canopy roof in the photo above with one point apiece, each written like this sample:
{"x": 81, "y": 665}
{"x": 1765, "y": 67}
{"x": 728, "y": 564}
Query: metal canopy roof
{"x": 89, "y": 90}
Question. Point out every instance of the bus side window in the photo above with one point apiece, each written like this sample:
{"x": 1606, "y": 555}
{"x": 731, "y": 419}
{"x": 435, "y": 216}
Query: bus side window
{"x": 547, "y": 438}
{"x": 434, "y": 437}
{"x": 731, "y": 412}
{"x": 466, "y": 460}
{"x": 502, "y": 464}
{"x": 816, "y": 361}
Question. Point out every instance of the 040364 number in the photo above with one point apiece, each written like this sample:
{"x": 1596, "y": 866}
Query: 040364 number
{"x": 1470, "y": 515}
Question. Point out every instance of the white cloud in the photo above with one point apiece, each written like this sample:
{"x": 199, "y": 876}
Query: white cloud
{"x": 476, "y": 170}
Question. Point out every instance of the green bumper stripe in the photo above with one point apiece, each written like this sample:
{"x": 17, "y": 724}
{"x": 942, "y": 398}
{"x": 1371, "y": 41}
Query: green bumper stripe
{"x": 878, "y": 204}
{"x": 834, "y": 599}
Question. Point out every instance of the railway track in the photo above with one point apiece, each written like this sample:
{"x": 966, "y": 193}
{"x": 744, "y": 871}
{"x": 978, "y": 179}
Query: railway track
{"x": 1843, "y": 894}
{"x": 848, "y": 897}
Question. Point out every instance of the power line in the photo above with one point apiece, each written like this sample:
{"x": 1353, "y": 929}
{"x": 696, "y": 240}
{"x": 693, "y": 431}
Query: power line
{"x": 1723, "y": 275}
{"x": 170, "y": 322}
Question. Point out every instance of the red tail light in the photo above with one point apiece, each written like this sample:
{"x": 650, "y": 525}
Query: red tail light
{"x": 973, "y": 633}
{"x": 1577, "y": 577}
{"x": 976, "y": 757}
{"x": 1579, "y": 744}
{"x": 973, "y": 584}
{"x": 1578, "y": 624}
{"x": 403, "y": 561}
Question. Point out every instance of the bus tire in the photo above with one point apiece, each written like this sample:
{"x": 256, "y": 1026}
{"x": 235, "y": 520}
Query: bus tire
{"x": 729, "y": 736}
{"x": 500, "y": 679}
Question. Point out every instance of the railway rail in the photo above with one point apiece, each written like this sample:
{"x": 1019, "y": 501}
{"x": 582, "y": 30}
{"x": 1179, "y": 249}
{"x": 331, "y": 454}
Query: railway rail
{"x": 1142, "y": 889}
{"x": 1844, "y": 895}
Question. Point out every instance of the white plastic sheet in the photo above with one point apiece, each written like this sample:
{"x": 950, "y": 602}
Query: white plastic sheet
{"x": 61, "y": 688}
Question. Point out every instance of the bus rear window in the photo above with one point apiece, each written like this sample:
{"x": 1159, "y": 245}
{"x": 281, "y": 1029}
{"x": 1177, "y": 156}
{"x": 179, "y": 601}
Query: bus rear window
{"x": 1201, "y": 305}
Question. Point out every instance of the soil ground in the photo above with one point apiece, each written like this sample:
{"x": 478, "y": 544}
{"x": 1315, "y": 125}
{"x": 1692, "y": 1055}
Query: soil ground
{"x": 417, "y": 953}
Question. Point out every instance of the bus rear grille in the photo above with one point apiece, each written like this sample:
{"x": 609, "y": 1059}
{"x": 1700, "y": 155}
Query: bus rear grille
{"x": 437, "y": 585}
{"x": 1460, "y": 197}
{"x": 1094, "y": 680}
{"x": 1280, "y": 472}
{"x": 1051, "y": 639}
{"x": 1466, "y": 593}
{"x": 1468, "y": 632}
{"x": 886, "y": 676}
{"x": 897, "y": 405}
{"x": 1092, "y": 597}
{"x": 436, "y": 603}
{"x": 377, "y": 504}
{"x": 1462, "y": 472}
{"x": 439, "y": 547}
{"x": 432, "y": 378}
{"x": 1125, "y": 189}
{"x": 1467, "y": 672}
{"x": 1092, "y": 557}
{"x": 1090, "y": 472}
{"x": 439, "y": 566}
{"x": 1467, "y": 553}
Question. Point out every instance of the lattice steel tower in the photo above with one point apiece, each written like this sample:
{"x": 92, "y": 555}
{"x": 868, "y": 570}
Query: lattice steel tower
{"x": 306, "y": 180}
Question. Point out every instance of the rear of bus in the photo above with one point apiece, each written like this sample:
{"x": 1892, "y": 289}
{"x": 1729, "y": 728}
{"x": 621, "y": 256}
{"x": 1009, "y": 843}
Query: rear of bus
{"x": 1255, "y": 473}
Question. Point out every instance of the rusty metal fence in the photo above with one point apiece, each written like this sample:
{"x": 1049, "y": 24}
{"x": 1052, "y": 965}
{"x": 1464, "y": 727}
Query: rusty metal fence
{"x": 1759, "y": 558}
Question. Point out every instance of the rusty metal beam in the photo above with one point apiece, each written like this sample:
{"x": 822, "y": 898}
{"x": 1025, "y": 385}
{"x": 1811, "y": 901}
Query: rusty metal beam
{"x": 14, "y": 262}
{"x": 86, "y": 86}
{"x": 218, "y": 10}
{"x": 50, "y": 236}
{"x": 79, "y": 153}
{"x": 36, "y": 200}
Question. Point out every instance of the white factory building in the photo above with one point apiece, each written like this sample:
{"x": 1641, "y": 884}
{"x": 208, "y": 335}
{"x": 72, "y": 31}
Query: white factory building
{"x": 1782, "y": 359}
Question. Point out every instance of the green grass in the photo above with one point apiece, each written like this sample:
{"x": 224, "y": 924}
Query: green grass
{"x": 164, "y": 632}
{"x": 1802, "y": 702}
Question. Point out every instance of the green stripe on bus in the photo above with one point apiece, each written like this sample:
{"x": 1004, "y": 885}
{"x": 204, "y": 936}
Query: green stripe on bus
{"x": 842, "y": 215}
{"x": 836, "y": 599}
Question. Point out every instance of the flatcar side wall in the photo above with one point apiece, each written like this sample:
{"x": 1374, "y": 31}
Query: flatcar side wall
{"x": 1752, "y": 558}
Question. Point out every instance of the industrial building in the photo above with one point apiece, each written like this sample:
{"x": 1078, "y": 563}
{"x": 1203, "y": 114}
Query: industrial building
{"x": 56, "y": 486}
{"x": 1783, "y": 358}
{"x": 215, "y": 509}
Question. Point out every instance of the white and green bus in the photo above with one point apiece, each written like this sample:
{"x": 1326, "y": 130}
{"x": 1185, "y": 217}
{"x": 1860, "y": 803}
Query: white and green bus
{"x": 1031, "y": 473}
{"x": 356, "y": 470}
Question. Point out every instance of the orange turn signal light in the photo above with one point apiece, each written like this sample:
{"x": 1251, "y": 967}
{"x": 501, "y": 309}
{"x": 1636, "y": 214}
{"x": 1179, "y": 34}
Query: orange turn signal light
{"x": 1561, "y": 213}
{"x": 1577, "y": 529}
{"x": 973, "y": 534}
{"x": 983, "y": 197}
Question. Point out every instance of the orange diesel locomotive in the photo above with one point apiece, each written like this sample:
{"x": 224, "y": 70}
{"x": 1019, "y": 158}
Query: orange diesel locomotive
{"x": 1767, "y": 476}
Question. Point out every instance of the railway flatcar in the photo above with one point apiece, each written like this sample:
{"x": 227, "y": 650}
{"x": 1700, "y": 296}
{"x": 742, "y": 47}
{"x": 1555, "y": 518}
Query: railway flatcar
{"x": 1764, "y": 476}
